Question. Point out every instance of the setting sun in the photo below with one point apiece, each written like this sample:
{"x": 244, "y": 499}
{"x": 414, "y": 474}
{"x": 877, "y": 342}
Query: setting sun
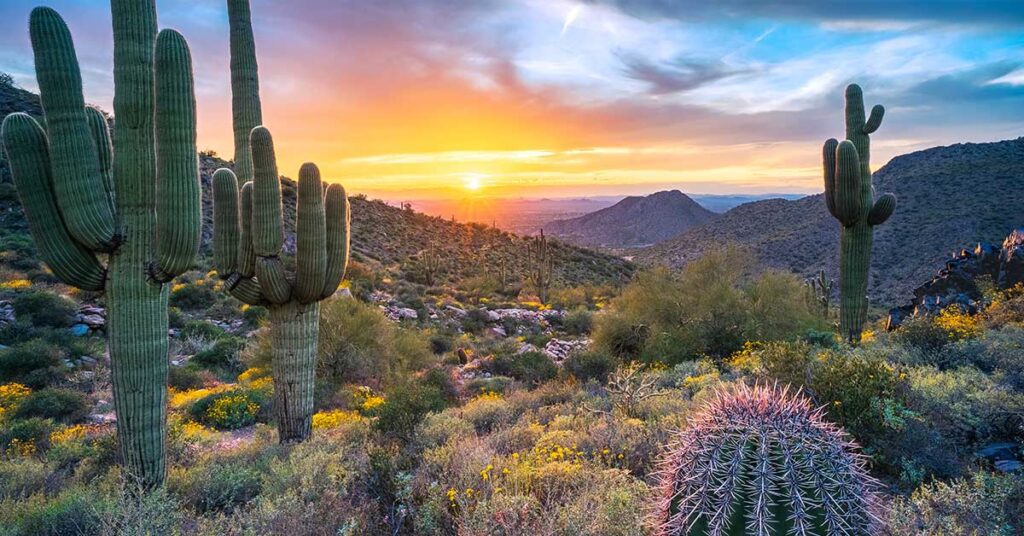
{"x": 473, "y": 181}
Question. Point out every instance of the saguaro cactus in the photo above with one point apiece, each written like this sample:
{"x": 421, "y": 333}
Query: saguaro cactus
{"x": 850, "y": 198}
{"x": 540, "y": 265}
{"x": 762, "y": 461}
{"x": 249, "y": 239}
{"x": 139, "y": 203}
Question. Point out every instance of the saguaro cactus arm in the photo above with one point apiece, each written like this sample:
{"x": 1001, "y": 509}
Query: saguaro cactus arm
{"x": 883, "y": 208}
{"x": 310, "y": 236}
{"x": 338, "y": 229}
{"x": 226, "y": 227}
{"x": 245, "y": 85}
{"x": 177, "y": 167}
{"x": 104, "y": 148}
{"x": 27, "y": 150}
{"x": 78, "y": 184}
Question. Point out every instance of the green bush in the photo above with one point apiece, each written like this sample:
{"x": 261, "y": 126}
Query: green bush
{"x": 184, "y": 378}
{"x": 922, "y": 333}
{"x": 62, "y": 405}
{"x": 42, "y": 308}
{"x": 358, "y": 344}
{"x": 230, "y": 410}
{"x": 590, "y": 365}
{"x": 578, "y": 322}
{"x": 192, "y": 297}
{"x": 226, "y": 487}
{"x": 441, "y": 343}
{"x": 223, "y": 355}
{"x": 35, "y": 363}
{"x": 989, "y": 504}
{"x": 255, "y": 315}
{"x": 75, "y": 511}
{"x": 199, "y": 329}
{"x": 404, "y": 407}
{"x": 493, "y": 384}
{"x": 33, "y": 430}
{"x": 530, "y": 367}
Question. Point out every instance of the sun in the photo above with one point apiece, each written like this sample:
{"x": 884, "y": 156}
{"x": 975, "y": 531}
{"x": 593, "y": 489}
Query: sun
{"x": 473, "y": 181}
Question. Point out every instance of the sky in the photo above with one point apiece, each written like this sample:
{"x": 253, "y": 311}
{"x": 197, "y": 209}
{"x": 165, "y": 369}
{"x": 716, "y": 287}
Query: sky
{"x": 426, "y": 99}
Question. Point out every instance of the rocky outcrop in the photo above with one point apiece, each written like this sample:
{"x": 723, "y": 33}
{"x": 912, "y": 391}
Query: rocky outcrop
{"x": 961, "y": 281}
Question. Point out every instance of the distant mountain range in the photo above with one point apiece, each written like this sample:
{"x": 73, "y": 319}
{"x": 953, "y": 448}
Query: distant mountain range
{"x": 949, "y": 198}
{"x": 634, "y": 221}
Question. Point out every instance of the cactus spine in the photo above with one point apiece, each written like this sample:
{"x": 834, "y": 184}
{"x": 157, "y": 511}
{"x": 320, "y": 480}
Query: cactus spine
{"x": 139, "y": 202}
{"x": 850, "y": 198}
{"x": 249, "y": 239}
{"x": 763, "y": 461}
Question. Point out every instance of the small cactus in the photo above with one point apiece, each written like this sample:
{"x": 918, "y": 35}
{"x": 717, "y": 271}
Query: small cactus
{"x": 850, "y": 198}
{"x": 762, "y": 461}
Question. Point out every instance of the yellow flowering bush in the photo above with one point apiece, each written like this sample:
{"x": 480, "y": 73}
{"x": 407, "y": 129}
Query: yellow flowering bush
{"x": 229, "y": 410}
{"x": 68, "y": 434}
{"x": 326, "y": 420}
{"x": 11, "y": 395}
{"x": 957, "y": 324}
{"x": 16, "y": 284}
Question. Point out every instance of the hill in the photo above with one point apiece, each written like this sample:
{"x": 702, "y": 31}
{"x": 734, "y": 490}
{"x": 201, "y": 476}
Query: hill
{"x": 382, "y": 236}
{"x": 949, "y": 198}
{"x": 634, "y": 221}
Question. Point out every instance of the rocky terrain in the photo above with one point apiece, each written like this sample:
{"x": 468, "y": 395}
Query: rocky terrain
{"x": 634, "y": 221}
{"x": 948, "y": 196}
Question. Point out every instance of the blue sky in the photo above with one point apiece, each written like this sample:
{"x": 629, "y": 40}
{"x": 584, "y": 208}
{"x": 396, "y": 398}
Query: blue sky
{"x": 557, "y": 97}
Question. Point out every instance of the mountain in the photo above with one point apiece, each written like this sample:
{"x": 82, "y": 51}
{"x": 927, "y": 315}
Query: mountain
{"x": 634, "y": 221}
{"x": 385, "y": 238}
{"x": 949, "y": 198}
{"x": 723, "y": 202}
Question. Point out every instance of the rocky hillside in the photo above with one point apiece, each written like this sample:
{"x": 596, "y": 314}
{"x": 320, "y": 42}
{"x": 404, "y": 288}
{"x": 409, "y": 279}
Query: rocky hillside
{"x": 634, "y": 221}
{"x": 949, "y": 197}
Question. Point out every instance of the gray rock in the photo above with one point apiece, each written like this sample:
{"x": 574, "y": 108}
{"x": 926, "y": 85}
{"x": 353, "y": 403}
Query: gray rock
{"x": 93, "y": 321}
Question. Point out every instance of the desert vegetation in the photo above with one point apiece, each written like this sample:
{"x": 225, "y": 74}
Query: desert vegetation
{"x": 194, "y": 346}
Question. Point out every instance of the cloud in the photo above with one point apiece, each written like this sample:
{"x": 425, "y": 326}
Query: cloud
{"x": 678, "y": 76}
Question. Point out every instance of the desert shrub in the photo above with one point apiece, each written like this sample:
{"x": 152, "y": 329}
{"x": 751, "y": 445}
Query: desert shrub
{"x": 193, "y": 297}
{"x": 965, "y": 404}
{"x": 441, "y": 343}
{"x": 34, "y": 363}
{"x": 590, "y": 365}
{"x": 18, "y": 252}
{"x": 21, "y": 477}
{"x": 359, "y": 344}
{"x": 222, "y": 487}
{"x": 788, "y": 363}
{"x": 63, "y": 405}
{"x": 981, "y": 504}
{"x": 405, "y": 405}
{"x": 710, "y": 308}
{"x": 475, "y": 320}
{"x": 255, "y": 314}
{"x": 578, "y": 322}
{"x": 854, "y": 387}
{"x": 229, "y": 410}
{"x": 933, "y": 333}
{"x": 436, "y": 429}
{"x": 184, "y": 378}
{"x": 42, "y": 308}
{"x": 529, "y": 367}
{"x": 487, "y": 412}
{"x": 494, "y": 384}
{"x": 199, "y": 329}
{"x": 223, "y": 355}
{"x": 74, "y": 511}
{"x": 34, "y": 431}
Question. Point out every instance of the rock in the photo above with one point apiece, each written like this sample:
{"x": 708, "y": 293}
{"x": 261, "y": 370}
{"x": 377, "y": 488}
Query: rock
{"x": 956, "y": 284}
{"x": 79, "y": 330}
{"x": 1003, "y": 456}
{"x": 92, "y": 310}
{"x": 407, "y": 313}
{"x": 497, "y": 332}
{"x": 102, "y": 418}
{"x": 558, "y": 350}
{"x": 344, "y": 291}
{"x": 88, "y": 360}
{"x": 527, "y": 347}
{"x": 493, "y": 316}
{"x": 455, "y": 311}
{"x": 93, "y": 321}
{"x": 1008, "y": 466}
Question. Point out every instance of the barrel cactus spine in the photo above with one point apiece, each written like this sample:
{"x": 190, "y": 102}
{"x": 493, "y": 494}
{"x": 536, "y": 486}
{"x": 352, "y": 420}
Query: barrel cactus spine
{"x": 83, "y": 198}
{"x": 850, "y": 198}
{"x": 762, "y": 461}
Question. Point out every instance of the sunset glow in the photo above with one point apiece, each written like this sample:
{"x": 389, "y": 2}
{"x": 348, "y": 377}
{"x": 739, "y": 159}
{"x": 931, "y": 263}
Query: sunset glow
{"x": 432, "y": 99}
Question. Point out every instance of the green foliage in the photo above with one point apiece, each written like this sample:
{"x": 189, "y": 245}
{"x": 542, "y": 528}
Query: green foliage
{"x": 981, "y": 504}
{"x": 531, "y": 368}
{"x": 74, "y": 511}
{"x": 223, "y": 355}
{"x": 63, "y": 405}
{"x": 226, "y": 487}
{"x": 193, "y": 297}
{"x": 33, "y": 430}
{"x": 43, "y": 308}
{"x": 405, "y": 405}
{"x": 590, "y": 365}
{"x": 35, "y": 363}
{"x": 578, "y": 322}
{"x": 708, "y": 309}
{"x": 199, "y": 329}
{"x": 184, "y": 378}
{"x": 358, "y": 344}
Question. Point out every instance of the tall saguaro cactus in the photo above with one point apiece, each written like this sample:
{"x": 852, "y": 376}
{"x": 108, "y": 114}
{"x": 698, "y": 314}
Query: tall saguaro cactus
{"x": 540, "y": 265}
{"x": 249, "y": 240}
{"x": 850, "y": 198}
{"x": 138, "y": 202}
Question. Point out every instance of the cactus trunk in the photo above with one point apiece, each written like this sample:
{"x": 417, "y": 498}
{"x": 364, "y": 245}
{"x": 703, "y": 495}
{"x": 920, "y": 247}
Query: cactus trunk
{"x": 294, "y": 329}
{"x": 854, "y": 262}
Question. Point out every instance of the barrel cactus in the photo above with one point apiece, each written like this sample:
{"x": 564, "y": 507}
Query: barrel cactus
{"x": 762, "y": 461}
{"x": 136, "y": 200}
{"x": 850, "y": 198}
{"x": 249, "y": 243}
